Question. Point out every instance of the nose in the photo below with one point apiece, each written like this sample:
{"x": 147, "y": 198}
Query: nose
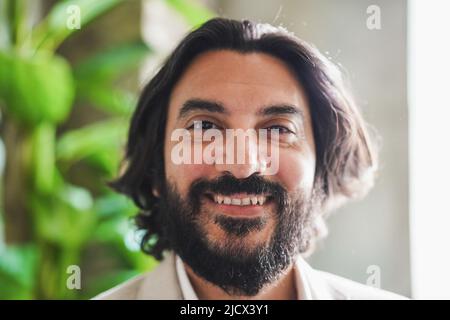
{"x": 241, "y": 159}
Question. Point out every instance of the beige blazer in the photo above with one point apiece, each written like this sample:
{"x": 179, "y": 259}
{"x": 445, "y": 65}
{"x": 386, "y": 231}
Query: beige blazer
{"x": 162, "y": 284}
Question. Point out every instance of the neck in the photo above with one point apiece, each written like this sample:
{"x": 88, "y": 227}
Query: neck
{"x": 282, "y": 289}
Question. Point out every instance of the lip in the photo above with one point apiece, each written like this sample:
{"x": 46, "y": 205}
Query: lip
{"x": 249, "y": 211}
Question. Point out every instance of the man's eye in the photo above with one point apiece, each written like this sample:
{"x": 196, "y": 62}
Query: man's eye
{"x": 281, "y": 129}
{"x": 203, "y": 125}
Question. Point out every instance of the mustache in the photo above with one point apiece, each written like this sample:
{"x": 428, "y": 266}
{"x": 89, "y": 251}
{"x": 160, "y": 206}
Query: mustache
{"x": 227, "y": 185}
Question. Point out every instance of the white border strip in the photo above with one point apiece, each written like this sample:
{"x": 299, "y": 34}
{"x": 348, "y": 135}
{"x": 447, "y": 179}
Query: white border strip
{"x": 429, "y": 123}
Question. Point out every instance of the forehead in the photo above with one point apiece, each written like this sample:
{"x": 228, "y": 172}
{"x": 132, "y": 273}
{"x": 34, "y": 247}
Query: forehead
{"x": 242, "y": 82}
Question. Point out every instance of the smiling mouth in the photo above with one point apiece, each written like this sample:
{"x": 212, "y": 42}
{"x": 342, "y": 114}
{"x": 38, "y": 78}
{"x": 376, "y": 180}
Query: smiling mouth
{"x": 239, "y": 199}
{"x": 240, "y": 204}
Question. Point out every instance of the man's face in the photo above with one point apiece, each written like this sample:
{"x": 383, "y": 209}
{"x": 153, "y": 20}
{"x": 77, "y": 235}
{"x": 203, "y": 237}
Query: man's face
{"x": 254, "y": 90}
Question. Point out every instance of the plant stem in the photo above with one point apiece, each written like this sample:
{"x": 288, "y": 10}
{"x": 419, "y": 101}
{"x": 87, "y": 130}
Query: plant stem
{"x": 16, "y": 217}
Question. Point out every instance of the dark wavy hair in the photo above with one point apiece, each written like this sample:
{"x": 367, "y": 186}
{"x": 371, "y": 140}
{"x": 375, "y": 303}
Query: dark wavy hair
{"x": 346, "y": 155}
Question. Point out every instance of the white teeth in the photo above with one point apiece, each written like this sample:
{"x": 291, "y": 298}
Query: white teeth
{"x": 236, "y": 202}
{"x": 253, "y": 200}
{"x": 261, "y": 200}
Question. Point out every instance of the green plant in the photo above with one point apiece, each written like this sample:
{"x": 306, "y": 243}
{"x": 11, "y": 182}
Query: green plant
{"x": 38, "y": 89}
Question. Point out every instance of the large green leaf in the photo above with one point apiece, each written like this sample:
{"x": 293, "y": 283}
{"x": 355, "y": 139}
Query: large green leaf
{"x": 114, "y": 212}
{"x": 113, "y": 205}
{"x": 111, "y": 230}
{"x": 108, "y": 65}
{"x": 106, "y": 162}
{"x": 17, "y": 271}
{"x": 54, "y": 28}
{"x": 89, "y": 140}
{"x": 95, "y": 77}
{"x": 65, "y": 219}
{"x": 112, "y": 101}
{"x": 36, "y": 89}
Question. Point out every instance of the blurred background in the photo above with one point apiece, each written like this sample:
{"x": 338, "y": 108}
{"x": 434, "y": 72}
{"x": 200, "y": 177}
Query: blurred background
{"x": 70, "y": 74}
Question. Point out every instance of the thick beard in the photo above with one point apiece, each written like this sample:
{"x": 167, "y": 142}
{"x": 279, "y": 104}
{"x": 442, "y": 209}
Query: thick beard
{"x": 237, "y": 270}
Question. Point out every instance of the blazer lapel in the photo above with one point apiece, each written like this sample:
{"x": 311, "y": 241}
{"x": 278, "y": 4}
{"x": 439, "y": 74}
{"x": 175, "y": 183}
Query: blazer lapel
{"x": 161, "y": 283}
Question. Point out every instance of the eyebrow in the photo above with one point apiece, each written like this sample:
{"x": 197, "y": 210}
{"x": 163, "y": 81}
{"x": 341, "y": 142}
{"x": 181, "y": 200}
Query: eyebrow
{"x": 281, "y": 109}
{"x": 192, "y": 105}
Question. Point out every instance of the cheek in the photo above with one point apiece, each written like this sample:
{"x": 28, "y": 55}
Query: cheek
{"x": 182, "y": 175}
{"x": 296, "y": 171}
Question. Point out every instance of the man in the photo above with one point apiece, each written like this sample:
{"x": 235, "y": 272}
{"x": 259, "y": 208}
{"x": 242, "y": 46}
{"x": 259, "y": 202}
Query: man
{"x": 229, "y": 228}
